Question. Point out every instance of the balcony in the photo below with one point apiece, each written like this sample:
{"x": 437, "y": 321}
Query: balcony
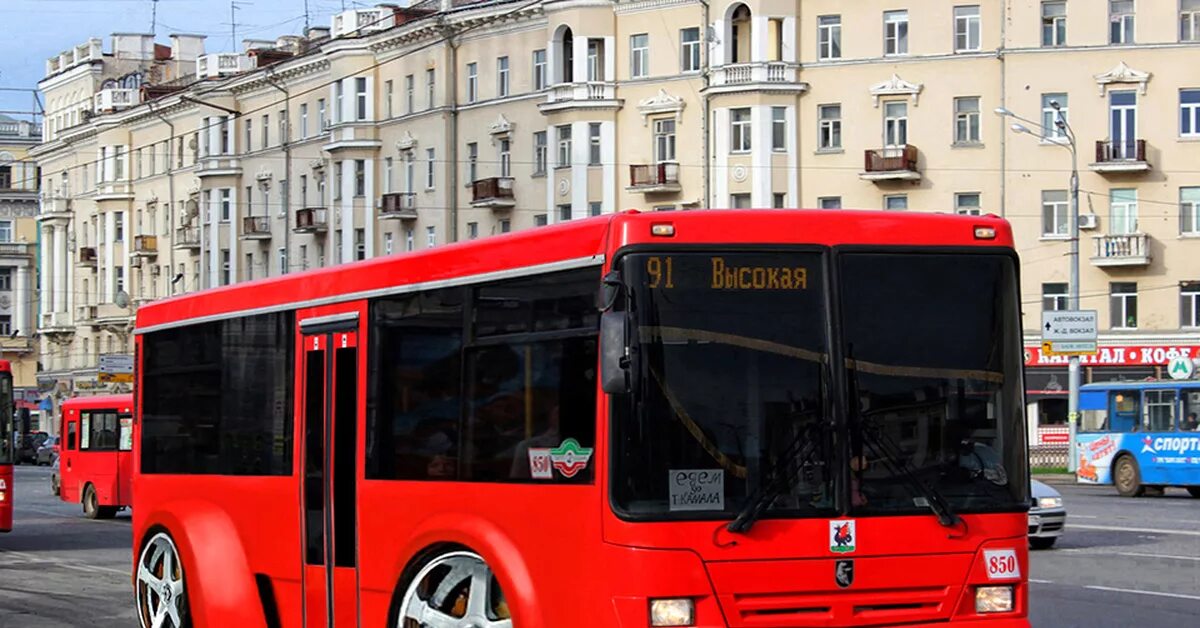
{"x": 87, "y": 256}
{"x": 144, "y": 246}
{"x": 654, "y": 178}
{"x": 187, "y": 238}
{"x": 312, "y": 220}
{"x": 1126, "y": 249}
{"x": 399, "y": 205}
{"x": 495, "y": 192}
{"x": 898, "y": 163}
{"x": 55, "y": 205}
{"x": 221, "y": 64}
{"x": 218, "y": 166}
{"x": 56, "y": 324}
{"x": 770, "y": 75}
{"x": 586, "y": 95}
{"x": 17, "y": 249}
{"x": 114, "y": 99}
{"x": 1120, "y": 157}
{"x": 256, "y": 228}
{"x": 85, "y": 313}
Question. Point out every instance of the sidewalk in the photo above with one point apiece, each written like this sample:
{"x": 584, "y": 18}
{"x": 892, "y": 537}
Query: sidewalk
{"x": 1055, "y": 478}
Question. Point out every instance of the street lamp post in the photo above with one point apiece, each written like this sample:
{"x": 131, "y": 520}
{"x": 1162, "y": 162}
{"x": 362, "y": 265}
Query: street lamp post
{"x": 1073, "y": 369}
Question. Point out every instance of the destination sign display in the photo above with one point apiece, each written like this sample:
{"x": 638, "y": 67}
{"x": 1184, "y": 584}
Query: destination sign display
{"x": 724, "y": 273}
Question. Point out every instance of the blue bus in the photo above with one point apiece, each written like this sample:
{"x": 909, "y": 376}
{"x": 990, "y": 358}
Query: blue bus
{"x": 1140, "y": 436}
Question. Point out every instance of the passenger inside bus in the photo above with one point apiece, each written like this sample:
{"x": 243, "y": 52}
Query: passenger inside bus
{"x": 1190, "y": 424}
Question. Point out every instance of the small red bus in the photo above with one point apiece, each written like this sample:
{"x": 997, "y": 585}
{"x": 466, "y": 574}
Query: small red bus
{"x": 8, "y": 446}
{"x": 710, "y": 418}
{"x": 96, "y": 455}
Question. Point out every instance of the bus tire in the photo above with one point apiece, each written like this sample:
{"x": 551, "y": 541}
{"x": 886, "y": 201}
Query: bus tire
{"x": 474, "y": 579}
{"x": 160, "y": 594}
{"x": 1127, "y": 477}
{"x": 1194, "y": 491}
{"x": 91, "y": 506}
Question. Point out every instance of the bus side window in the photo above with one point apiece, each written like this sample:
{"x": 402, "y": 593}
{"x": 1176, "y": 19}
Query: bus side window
{"x": 1124, "y": 411}
{"x": 1159, "y": 411}
{"x": 71, "y": 435}
{"x": 1095, "y": 421}
{"x": 1189, "y": 420}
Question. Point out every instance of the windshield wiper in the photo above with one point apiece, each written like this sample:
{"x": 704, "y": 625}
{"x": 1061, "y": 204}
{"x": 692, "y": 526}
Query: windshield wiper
{"x": 934, "y": 499}
{"x": 794, "y": 458}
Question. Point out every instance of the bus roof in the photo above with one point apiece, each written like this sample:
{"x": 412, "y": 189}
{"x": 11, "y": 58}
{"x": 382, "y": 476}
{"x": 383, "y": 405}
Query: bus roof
{"x": 1149, "y": 383}
{"x": 99, "y": 401}
{"x": 568, "y": 245}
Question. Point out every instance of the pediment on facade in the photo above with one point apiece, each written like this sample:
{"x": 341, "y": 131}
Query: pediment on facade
{"x": 502, "y": 126}
{"x": 660, "y": 103}
{"x": 406, "y": 142}
{"x": 1122, "y": 73}
{"x": 896, "y": 86}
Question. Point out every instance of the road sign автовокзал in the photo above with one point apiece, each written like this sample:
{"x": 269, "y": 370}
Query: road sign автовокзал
{"x": 1070, "y": 331}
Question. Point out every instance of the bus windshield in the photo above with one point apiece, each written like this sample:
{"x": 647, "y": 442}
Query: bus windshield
{"x": 733, "y": 394}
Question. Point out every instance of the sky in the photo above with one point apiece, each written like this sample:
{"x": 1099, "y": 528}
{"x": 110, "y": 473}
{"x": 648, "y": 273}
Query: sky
{"x": 35, "y": 30}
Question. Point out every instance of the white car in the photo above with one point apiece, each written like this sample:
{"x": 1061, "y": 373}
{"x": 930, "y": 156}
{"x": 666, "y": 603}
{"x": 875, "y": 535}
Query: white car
{"x": 1047, "y": 516}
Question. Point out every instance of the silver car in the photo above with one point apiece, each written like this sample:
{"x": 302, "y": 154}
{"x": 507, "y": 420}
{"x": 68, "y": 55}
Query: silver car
{"x": 1047, "y": 516}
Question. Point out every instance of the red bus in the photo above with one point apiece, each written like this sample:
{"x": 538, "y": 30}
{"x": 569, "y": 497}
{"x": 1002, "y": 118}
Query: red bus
{"x": 8, "y": 445}
{"x": 96, "y": 455}
{"x": 710, "y": 418}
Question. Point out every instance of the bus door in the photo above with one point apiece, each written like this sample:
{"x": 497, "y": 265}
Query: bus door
{"x": 1159, "y": 406}
{"x": 329, "y": 385}
{"x": 97, "y": 459}
{"x": 68, "y": 456}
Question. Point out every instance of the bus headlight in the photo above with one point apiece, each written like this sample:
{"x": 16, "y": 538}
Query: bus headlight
{"x": 1050, "y": 502}
{"x": 672, "y": 612}
{"x": 993, "y": 600}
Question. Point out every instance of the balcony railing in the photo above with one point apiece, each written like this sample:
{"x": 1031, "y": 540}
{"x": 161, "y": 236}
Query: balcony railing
{"x": 114, "y": 99}
{"x": 145, "y": 245}
{"x": 494, "y": 192}
{"x": 402, "y": 205}
{"x": 85, "y": 312}
{"x": 580, "y": 94}
{"x": 1124, "y": 249}
{"x": 256, "y": 228}
{"x": 1120, "y": 156}
{"x": 311, "y": 220}
{"x": 781, "y": 74}
{"x": 891, "y": 163}
{"x": 650, "y": 178}
{"x": 87, "y": 255}
{"x": 187, "y": 238}
{"x": 220, "y": 64}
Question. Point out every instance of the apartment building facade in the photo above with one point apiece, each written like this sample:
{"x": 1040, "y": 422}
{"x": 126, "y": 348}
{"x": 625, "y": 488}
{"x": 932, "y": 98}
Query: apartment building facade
{"x": 18, "y": 254}
{"x": 399, "y": 129}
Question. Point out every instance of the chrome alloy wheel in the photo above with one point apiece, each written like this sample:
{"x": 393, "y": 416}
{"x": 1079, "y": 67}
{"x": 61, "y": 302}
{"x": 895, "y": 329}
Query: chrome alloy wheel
{"x": 454, "y": 590}
{"x": 161, "y": 600}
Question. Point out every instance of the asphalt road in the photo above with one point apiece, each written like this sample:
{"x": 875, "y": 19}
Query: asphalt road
{"x": 1122, "y": 563}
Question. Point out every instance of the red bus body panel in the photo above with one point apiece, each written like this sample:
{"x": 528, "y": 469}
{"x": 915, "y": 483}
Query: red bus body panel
{"x": 561, "y": 555}
{"x": 7, "y": 489}
{"x": 109, "y": 472}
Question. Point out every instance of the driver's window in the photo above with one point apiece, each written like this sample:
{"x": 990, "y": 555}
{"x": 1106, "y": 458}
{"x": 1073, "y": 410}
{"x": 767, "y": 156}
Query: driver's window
{"x": 1125, "y": 415}
{"x": 71, "y": 431}
{"x": 1159, "y": 413}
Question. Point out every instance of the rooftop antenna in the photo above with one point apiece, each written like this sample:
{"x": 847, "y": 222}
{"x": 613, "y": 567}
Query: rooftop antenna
{"x": 153, "y": 17}
{"x": 306, "y": 17}
{"x": 234, "y": 7}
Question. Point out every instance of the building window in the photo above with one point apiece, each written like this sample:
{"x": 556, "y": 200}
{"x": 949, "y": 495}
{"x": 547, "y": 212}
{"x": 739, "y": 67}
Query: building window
{"x": 1123, "y": 299}
{"x": 829, "y": 37}
{"x": 639, "y": 56}
{"x": 1123, "y": 212}
{"x": 410, "y": 240}
{"x": 389, "y": 94}
{"x": 966, "y": 120}
{"x": 472, "y": 162}
{"x": 778, "y": 200}
{"x": 505, "y": 225}
{"x": 1189, "y": 20}
{"x": 322, "y": 121}
{"x": 594, "y": 144}
{"x": 595, "y": 60}
{"x": 539, "y": 152}
{"x": 410, "y": 90}
{"x": 1054, "y": 297}
{"x": 430, "y": 237}
{"x": 1189, "y": 211}
{"x": 281, "y": 255}
{"x": 664, "y": 140}
{"x": 564, "y": 213}
{"x": 226, "y": 195}
{"x": 1189, "y": 112}
{"x": 540, "y": 220}
{"x": 249, "y": 267}
{"x": 360, "y": 98}
{"x": 303, "y": 121}
{"x": 739, "y": 126}
{"x": 967, "y": 204}
{"x": 895, "y": 201}
{"x": 6, "y": 231}
{"x": 778, "y": 128}
{"x": 539, "y": 70}
{"x": 388, "y": 171}
{"x": 739, "y": 201}
{"x": 895, "y": 32}
{"x": 430, "y": 79}
{"x": 389, "y": 243}
{"x": 966, "y": 28}
{"x": 829, "y": 133}
{"x": 6, "y": 325}
{"x": 360, "y": 244}
{"x": 1189, "y": 304}
{"x": 339, "y": 102}
{"x": 505, "y": 158}
{"x": 6, "y": 279}
{"x": 360, "y": 177}
{"x": 1051, "y": 116}
{"x": 472, "y": 230}
{"x": 1120, "y": 15}
{"x": 1055, "y": 214}
{"x": 689, "y": 49}
{"x": 225, "y": 279}
{"x": 429, "y": 163}
{"x": 564, "y": 145}
{"x": 594, "y": 208}
{"x": 502, "y": 77}
{"x": 895, "y": 124}
{"x": 472, "y": 82}
{"x": 830, "y": 202}
{"x": 337, "y": 180}
{"x": 266, "y": 131}
{"x": 1054, "y": 24}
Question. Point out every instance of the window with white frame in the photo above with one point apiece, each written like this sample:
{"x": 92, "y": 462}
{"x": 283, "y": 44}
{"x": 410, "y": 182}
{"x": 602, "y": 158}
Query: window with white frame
{"x": 6, "y": 231}
{"x": 967, "y": 204}
{"x": 1189, "y": 20}
{"x": 430, "y": 95}
{"x": 1051, "y": 116}
{"x": 360, "y": 177}
{"x": 829, "y": 202}
{"x": 429, "y": 168}
{"x": 6, "y": 279}
{"x": 664, "y": 140}
{"x": 226, "y": 205}
{"x": 689, "y": 49}
{"x": 505, "y": 225}
{"x": 505, "y": 150}
{"x": 739, "y": 130}
{"x": 1189, "y": 211}
{"x": 739, "y": 201}
{"x": 595, "y": 59}
{"x": 1123, "y": 212}
{"x": 502, "y": 77}
{"x": 322, "y": 121}
{"x": 1121, "y": 24}
{"x": 388, "y": 173}
{"x": 1189, "y": 112}
{"x": 410, "y": 89}
{"x": 1055, "y": 297}
{"x": 225, "y": 278}
{"x": 266, "y": 131}
{"x": 1123, "y": 300}
{"x": 472, "y": 230}
{"x": 895, "y": 201}
{"x": 829, "y": 37}
{"x": 410, "y": 175}
{"x": 472, "y": 162}
{"x": 539, "y": 69}
{"x": 539, "y": 152}
{"x": 389, "y": 244}
{"x": 1055, "y": 213}
{"x": 779, "y": 128}
{"x": 594, "y": 144}
{"x": 639, "y": 55}
{"x": 966, "y": 120}
{"x": 410, "y": 240}
{"x": 281, "y": 255}
{"x": 564, "y": 212}
{"x": 339, "y": 106}
{"x": 829, "y": 131}
{"x": 360, "y": 98}
{"x": 472, "y": 82}
{"x": 895, "y": 32}
{"x": 360, "y": 244}
{"x": 1054, "y": 23}
{"x": 303, "y": 121}
{"x": 430, "y": 237}
{"x": 1189, "y": 304}
{"x": 389, "y": 96}
{"x": 966, "y": 28}
{"x": 564, "y": 145}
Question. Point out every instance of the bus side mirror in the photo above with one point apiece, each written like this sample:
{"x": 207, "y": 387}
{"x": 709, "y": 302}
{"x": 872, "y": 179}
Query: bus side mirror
{"x": 614, "y": 360}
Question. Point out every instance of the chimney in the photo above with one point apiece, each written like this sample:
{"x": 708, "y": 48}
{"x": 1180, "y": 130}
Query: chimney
{"x": 314, "y": 33}
{"x": 186, "y": 48}
{"x": 133, "y": 46}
